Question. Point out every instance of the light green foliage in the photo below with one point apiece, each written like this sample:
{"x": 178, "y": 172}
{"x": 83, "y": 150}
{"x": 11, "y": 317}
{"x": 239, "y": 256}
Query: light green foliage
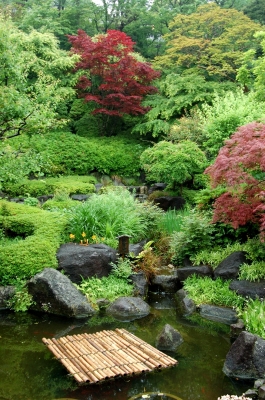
{"x": 71, "y": 184}
{"x": 35, "y": 81}
{"x": 31, "y": 201}
{"x": 251, "y": 73}
{"x": 254, "y": 317}
{"x": 174, "y": 164}
{"x": 108, "y": 216}
{"x": 213, "y": 256}
{"x": 195, "y": 235}
{"x": 253, "y": 272}
{"x": 110, "y": 288}
{"x": 40, "y": 234}
{"x": 178, "y": 94}
{"x": 225, "y": 115}
{"x": 204, "y": 290}
{"x": 123, "y": 268}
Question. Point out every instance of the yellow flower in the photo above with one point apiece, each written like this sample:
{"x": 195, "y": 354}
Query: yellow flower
{"x": 72, "y": 236}
{"x": 102, "y": 239}
{"x": 94, "y": 237}
{"x": 83, "y": 234}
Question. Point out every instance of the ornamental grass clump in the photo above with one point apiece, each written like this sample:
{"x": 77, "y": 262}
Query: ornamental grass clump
{"x": 254, "y": 317}
{"x": 204, "y": 290}
{"x": 108, "y": 215}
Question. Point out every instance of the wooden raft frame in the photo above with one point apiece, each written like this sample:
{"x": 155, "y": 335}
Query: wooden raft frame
{"x": 94, "y": 358}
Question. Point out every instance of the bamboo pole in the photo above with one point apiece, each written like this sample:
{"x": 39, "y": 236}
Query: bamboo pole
{"x": 148, "y": 349}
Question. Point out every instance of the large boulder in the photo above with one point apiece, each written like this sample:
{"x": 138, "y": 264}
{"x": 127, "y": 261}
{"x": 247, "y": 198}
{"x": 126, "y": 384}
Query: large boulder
{"x": 245, "y": 359}
{"x": 224, "y": 315}
{"x": 164, "y": 283}
{"x": 128, "y": 308}
{"x": 249, "y": 289}
{"x": 229, "y": 267}
{"x": 170, "y": 202}
{"x": 79, "y": 261}
{"x": 140, "y": 284}
{"x": 54, "y": 293}
{"x": 169, "y": 339}
{"x": 201, "y": 270}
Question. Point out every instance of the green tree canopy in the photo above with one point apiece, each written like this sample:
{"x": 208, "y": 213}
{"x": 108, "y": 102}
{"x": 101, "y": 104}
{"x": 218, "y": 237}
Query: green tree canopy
{"x": 210, "y": 42}
{"x": 35, "y": 81}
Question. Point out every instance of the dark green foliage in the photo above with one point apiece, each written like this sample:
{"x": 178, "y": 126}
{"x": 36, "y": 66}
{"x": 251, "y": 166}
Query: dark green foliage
{"x": 41, "y": 232}
{"x": 72, "y": 154}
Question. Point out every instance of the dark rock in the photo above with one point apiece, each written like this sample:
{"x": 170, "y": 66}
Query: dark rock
{"x": 184, "y": 272}
{"x": 98, "y": 186}
{"x": 170, "y": 202}
{"x": 237, "y": 328}
{"x": 80, "y": 197}
{"x": 184, "y": 304}
{"x": 169, "y": 339}
{"x": 6, "y": 292}
{"x": 229, "y": 267}
{"x": 17, "y": 200}
{"x": 85, "y": 261}
{"x": 136, "y": 248}
{"x": 249, "y": 289}
{"x": 251, "y": 394}
{"x": 219, "y": 314}
{"x": 261, "y": 392}
{"x": 140, "y": 284}
{"x": 164, "y": 283}
{"x": 258, "y": 383}
{"x": 44, "y": 198}
{"x": 157, "y": 186}
{"x": 103, "y": 303}
{"x": 128, "y": 308}
{"x": 54, "y": 293}
{"x": 245, "y": 359}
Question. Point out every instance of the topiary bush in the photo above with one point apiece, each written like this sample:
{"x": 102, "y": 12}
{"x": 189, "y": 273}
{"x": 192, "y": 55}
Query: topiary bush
{"x": 70, "y": 184}
{"x": 40, "y": 232}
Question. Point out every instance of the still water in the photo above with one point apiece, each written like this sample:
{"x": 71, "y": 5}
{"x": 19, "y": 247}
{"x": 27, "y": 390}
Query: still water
{"x": 28, "y": 370}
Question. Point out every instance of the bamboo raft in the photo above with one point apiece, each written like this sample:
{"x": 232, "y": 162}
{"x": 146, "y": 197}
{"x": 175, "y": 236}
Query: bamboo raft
{"x": 94, "y": 358}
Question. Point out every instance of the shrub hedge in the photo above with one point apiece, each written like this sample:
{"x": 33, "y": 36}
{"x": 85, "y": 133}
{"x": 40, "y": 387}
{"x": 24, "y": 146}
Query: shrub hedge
{"x": 41, "y": 233}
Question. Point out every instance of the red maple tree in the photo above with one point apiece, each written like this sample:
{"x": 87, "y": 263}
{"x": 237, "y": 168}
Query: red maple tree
{"x": 240, "y": 167}
{"x": 113, "y": 78}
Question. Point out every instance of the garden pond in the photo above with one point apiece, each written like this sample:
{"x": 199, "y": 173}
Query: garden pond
{"x": 28, "y": 371}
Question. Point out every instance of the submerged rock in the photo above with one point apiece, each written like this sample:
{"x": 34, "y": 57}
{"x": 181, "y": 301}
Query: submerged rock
{"x": 169, "y": 339}
{"x": 245, "y": 359}
{"x": 128, "y": 308}
{"x": 54, "y": 293}
{"x": 218, "y": 314}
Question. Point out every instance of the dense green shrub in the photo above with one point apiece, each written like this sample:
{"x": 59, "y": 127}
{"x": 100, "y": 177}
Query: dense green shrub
{"x": 72, "y": 154}
{"x": 253, "y": 317}
{"x": 71, "y": 184}
{"x": 41, "y": 234}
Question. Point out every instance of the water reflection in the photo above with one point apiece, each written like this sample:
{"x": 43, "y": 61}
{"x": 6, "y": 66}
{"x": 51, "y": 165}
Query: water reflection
{"x": 28, "y": 370}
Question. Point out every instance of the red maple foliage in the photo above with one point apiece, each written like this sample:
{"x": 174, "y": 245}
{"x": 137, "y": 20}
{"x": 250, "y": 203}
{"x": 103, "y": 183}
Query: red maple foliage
{"x": 240, "y": 167}
{"x": 113, "y": 78}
